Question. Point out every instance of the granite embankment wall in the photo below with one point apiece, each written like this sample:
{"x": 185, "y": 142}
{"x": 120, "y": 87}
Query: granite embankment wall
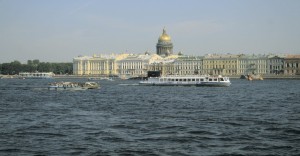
{"x": 234, "y": 77}
{"x": 274, "y": 77}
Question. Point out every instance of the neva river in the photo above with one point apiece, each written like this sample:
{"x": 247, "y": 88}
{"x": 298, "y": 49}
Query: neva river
{"x": 122, "y": 118}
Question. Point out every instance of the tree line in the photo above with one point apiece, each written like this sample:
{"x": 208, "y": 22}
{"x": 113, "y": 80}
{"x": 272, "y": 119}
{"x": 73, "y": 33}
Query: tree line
{"x": 16, "y": 67}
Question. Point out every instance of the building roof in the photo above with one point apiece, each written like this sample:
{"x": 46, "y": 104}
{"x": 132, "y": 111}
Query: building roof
{"x": 164, "y": 37}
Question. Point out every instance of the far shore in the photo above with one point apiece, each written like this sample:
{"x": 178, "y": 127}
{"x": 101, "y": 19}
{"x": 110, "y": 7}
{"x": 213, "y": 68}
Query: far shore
{"x": 233, "y": 77}
{"x": 88, "y": 76}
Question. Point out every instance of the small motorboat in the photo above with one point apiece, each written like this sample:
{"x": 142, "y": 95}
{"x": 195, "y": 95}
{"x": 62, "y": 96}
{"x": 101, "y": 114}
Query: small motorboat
{"x": 73, "y": 85}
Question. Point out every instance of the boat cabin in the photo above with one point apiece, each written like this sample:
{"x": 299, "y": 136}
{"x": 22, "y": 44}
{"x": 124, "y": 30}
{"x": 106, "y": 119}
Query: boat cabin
{"x": 204, "y": 79}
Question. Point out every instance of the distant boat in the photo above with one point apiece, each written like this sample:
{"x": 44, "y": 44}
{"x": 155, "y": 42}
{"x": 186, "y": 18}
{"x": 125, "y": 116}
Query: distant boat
{"x": 101, "y": 78}
{"x": 73, "y": 85}
{"x": 6, "y": 77}
{"x": 194, "y": 80}
{"x": 251, "y": 77}
{"x": 36, "y": 75}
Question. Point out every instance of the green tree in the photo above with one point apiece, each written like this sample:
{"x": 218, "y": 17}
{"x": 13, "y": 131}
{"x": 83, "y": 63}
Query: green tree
{"x": 35, "y": 65}
{"x": 29, "y": 62}
{"x": 11, "y": 68}
{"x": 36, "y": 62}
{"x": 30, "y": 67}
{"x": 6, "y": 68}
{"x": 69, "y": 68}
{"x": 16, "y": 67}
{"x": 44, "y": 67}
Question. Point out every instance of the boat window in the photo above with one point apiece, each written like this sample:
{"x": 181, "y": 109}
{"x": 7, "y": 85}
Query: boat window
{"x": 210, "y": 79}
{"x": 169, "y": 79}
{"x": 201, "y": 79}
{"x": 189, "y": 79}
{"x": 193, "y": 79}
{"x": 215, "y": 79}
{"x": 180, "y": 79}
{"x": 221, "y": 79}
{"x": 184, "y": 79}
{"x": 176, "y": 79}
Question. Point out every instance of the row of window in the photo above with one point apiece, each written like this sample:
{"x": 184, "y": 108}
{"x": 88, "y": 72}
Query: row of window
{"x": 220, "y": 61}
{"x": 191, "y": 79}
{"x": 132, "y": 72}
{"x": 292, "y": 65}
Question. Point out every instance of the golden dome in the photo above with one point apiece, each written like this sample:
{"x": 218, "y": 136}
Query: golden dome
{"x": 164, "y": 36}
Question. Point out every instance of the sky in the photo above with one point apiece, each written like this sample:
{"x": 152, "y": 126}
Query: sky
{"x": 59, "y": 30}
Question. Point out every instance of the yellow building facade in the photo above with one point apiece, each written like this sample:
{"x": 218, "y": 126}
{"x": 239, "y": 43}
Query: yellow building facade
{"x": 137, "y": 65}
{"x": 216, "y": 64}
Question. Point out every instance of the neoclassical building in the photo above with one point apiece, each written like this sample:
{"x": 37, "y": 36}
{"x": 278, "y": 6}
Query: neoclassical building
{"x": 188, "y": 65}
{"x": 136, "y": 65}
{"x": 275, "y": 64}
{"x": 252, "y": 64}
{"x": 164, "y": 46}
{"x": 127, "y": 65}
{"x": 97, "y": 64}
{"x": 292, "y": 65}
{"x": 220, "y": 64}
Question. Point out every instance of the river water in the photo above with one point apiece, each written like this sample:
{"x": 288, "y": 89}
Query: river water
{"x": 123, "y": 118}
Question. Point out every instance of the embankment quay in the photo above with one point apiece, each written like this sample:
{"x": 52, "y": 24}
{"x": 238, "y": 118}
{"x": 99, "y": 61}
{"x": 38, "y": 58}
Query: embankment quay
{"x": 88, "y": 76}
{"x": 272, "y": 77}
{"x": 233, "y": 76}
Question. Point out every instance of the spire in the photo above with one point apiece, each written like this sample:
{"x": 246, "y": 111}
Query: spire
{"x": 164, "y": 30}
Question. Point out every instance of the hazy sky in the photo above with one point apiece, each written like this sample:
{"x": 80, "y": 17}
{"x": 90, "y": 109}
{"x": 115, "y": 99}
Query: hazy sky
{"x": 59, "y": 30}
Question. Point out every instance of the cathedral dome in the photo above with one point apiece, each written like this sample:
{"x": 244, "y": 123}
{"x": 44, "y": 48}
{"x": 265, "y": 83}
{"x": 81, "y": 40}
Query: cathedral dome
{"x": 164, "y": 46}
{"x": 164, "y": 37}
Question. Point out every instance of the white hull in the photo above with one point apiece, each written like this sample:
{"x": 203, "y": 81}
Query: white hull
{"x": 166, "y": 83}
{"x": 214, "y": 84}
{"x": 37, "y": 75}
{"x": 187, "y": 81}
{"x": 73, "y": 86}
{"x": 66, "y": 88}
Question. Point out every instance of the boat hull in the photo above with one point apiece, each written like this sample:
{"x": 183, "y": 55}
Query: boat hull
{"x": 73, "y": 86}
{"x": 66, "y": 88}
{"x": 166, "y": 84}
{"x": 211, "y": 81}
{"x": 36, "y": 75}
{"x": 213, "y": 84}
{"x": 202, "y": 84}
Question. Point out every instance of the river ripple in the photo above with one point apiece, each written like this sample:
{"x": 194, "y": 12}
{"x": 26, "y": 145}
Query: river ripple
{"x": 122, "y": 118}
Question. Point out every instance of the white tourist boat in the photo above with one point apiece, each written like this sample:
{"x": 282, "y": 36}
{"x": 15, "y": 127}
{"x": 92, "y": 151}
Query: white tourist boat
{"x": 36, "y": 75}
{"x": 194, "y": 80}
{"x": 73, "y": 85}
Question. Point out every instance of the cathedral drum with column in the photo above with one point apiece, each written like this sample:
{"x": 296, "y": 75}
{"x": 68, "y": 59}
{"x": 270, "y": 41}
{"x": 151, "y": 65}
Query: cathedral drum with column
{"x": 164, "y": 46}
